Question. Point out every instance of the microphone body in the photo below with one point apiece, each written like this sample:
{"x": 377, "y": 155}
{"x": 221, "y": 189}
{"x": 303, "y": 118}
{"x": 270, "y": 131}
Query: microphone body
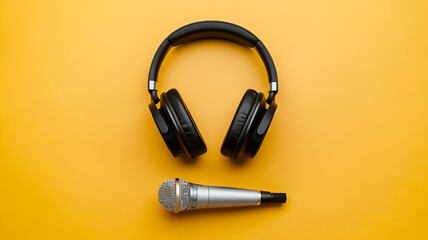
{"x": 177, "y": 195}
{"x": 216, "y": 197}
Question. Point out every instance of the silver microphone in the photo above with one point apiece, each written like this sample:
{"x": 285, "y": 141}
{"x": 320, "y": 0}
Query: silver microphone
{"x": 177, "y": 195}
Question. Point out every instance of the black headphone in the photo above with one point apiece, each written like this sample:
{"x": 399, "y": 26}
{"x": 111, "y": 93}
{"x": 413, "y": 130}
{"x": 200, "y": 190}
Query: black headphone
{"x": 251, "y": 120}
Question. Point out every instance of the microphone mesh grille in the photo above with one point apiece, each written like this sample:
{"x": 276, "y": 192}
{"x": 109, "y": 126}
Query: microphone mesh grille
{"x": 166, "y": 195}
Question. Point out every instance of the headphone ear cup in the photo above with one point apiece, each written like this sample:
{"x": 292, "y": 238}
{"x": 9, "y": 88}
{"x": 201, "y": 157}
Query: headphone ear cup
{"x": 169, "y": 136}
{"x": 180, "y": 118}
{"x": 244, "y": 120}
{"x": 258, "y": 134}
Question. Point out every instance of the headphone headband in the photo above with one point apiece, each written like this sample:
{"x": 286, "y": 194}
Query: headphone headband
{"x": 207, "y": 30}
{"x": 212, "y": 29}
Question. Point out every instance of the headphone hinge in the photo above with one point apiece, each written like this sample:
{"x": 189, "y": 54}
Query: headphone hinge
{"x": 271, "y": 97}
{"x": 154, "y": 96}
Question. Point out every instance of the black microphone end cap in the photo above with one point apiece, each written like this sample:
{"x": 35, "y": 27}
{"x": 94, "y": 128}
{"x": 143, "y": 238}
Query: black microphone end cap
{"x": 268, "y": 197}
{"x": 279, "y": 197}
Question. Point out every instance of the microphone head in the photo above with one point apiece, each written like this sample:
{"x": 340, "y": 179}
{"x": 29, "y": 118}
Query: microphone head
{"x": 174, "y": 195}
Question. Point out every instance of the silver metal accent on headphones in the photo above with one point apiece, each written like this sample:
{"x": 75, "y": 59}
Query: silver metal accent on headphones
{"x": 273, "y": 87}
{"x": 152, "y": 85}
{"x": 173, "y": 119}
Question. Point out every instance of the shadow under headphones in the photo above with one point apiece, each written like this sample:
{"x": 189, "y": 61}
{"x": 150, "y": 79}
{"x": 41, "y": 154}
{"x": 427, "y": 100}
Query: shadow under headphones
{"x": 251, "y": 120}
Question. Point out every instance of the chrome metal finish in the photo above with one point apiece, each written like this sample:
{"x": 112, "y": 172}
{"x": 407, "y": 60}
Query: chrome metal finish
{"x": 203, "y": 198}
{"x": 177, "y": 196}
{"x": 217, "y": 197}
{"x": 273, "y": 87}
{"x": 152, "y": 85}
{"x": 193, "y": 195}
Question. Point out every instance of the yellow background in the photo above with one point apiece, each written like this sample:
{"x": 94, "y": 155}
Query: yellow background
{"x": 82, "y": 159}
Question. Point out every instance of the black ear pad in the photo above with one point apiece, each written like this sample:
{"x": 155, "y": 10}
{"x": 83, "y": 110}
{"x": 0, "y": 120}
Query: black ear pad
{"x": 246, "y": 117}
{"x": 179, "y": 116}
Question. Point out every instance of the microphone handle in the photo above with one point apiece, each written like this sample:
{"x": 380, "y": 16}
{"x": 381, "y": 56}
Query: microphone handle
{"x": 218, "y": 197}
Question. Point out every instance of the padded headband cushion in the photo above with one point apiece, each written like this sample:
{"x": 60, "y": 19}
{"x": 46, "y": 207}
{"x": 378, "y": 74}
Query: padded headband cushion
{"x": 230, "y": 142}
{"x": 193, "y": 139}
{"x": 212, "y": 29}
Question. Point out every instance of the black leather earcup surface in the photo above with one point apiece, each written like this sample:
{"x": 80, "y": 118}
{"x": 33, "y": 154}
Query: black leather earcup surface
{"x": 170, "y": 137}
{"x": 258, "y": 134}
{"x": 183, "y": 122}
{"x": 247, "y": 112}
